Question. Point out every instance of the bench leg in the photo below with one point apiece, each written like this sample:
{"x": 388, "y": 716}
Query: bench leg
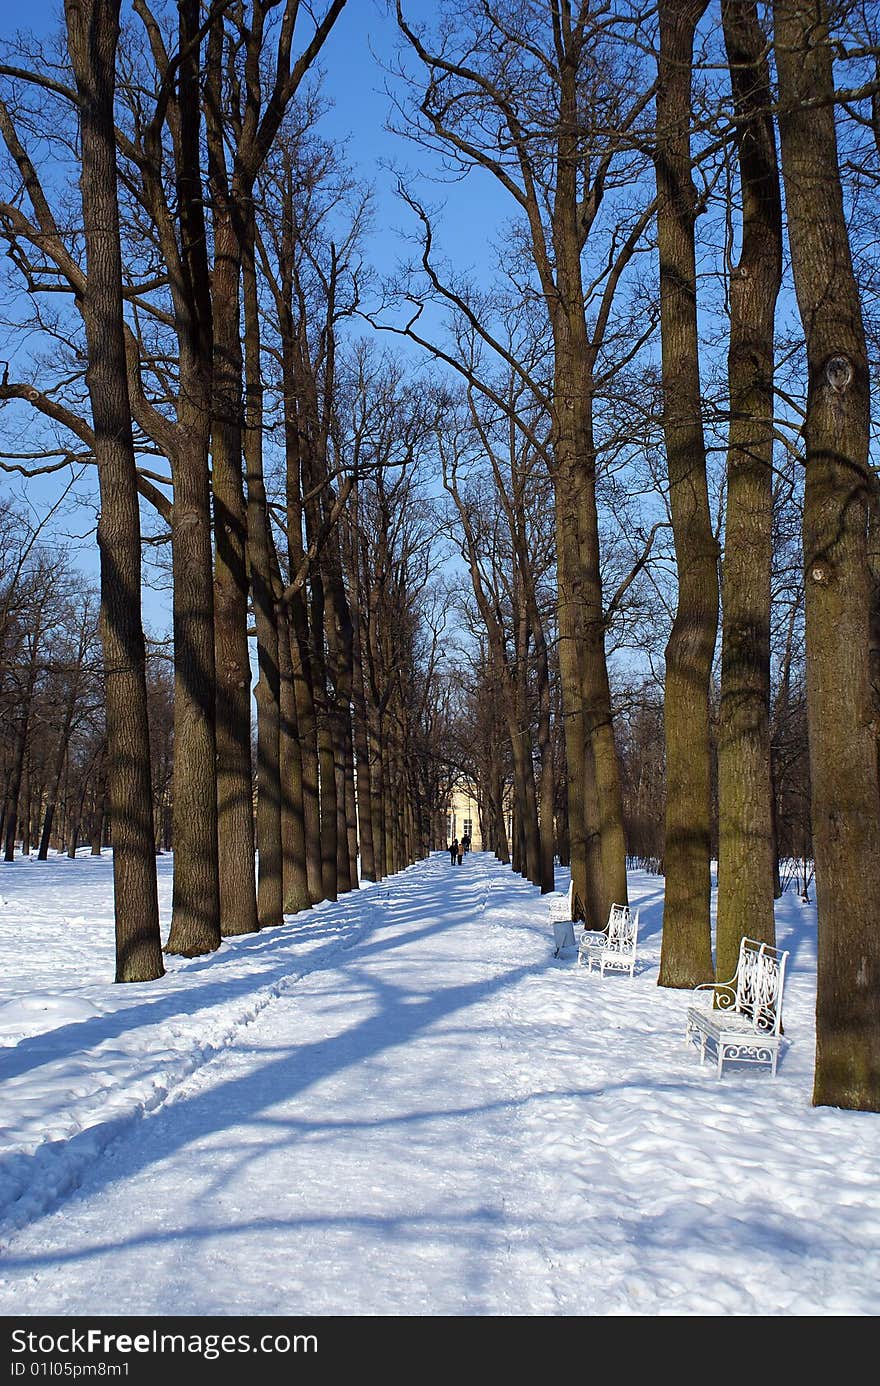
{"x": 720, "y": 1058}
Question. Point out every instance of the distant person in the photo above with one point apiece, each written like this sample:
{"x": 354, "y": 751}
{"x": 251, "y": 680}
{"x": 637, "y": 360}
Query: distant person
{"x": 466, "y": 843}
{"x": 453, "y": 851}
{"x": 460, "y": 851}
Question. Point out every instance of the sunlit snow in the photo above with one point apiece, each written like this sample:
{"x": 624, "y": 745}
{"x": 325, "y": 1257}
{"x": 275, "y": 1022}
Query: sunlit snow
{"x": 402, "y": 1103}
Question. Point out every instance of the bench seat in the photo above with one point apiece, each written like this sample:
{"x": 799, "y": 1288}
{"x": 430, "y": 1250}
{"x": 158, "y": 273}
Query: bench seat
{"x": 742, "y": 1021}
{"x": 614, "y": 949}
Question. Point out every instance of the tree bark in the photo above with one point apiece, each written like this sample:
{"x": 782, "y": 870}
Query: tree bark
{"x": 270, "y": 893}
{"x": 745, "y": 791}
{"x": 302, "y": 667}
{"x": 686, "y": 953}
{"x": 238, "y": 900}
{"x": 195, "y": 912}
{"x": 92, "y": 35}
{"x": 842, "y": 728}
{"x": 60, "y": 757}
{"x": 361, "y": 730}
{"x": 293, "y": 835}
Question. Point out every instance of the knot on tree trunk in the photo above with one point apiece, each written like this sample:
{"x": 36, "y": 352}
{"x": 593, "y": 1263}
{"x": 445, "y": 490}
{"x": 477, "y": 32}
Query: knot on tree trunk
{"x": 838, "y": 373}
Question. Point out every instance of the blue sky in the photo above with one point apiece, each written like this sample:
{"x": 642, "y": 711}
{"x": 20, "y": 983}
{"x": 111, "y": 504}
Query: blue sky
{"x": 354, "y": 61}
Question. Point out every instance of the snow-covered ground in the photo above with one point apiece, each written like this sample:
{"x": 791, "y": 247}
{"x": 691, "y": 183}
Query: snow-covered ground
{"x": 404, "y": 1104}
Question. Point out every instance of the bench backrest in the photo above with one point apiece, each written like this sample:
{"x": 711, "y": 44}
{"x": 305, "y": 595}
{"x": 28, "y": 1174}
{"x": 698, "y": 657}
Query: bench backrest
{"x": 623, "y": 928}
{"x": 760, "y": 974}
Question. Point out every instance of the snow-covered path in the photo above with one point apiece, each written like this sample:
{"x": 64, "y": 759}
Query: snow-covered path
{"x": 310, "y": 1169}
{"x": 428, "y": 1114}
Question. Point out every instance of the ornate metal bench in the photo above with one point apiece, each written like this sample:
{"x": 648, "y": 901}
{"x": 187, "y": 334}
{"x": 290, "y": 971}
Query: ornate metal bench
{"x": 744, "y": 1018}
{"x": 614, "y": 948}
{"x": 561, "y": 921}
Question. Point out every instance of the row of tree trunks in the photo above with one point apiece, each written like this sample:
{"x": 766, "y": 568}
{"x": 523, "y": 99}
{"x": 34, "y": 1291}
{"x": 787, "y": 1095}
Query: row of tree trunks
{"x": 232, "y": 190}
{"x": 558, "y": 153}
{"x": 299, "y": 701}
{"x": 70, "y": 709}
{"x": 510, "y": 675}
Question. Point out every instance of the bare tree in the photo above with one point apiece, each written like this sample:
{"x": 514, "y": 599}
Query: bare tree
{"x": 745, "y": 828}
{"x": 837, "y": 507}
{"x": 536, "y": 96}
{"x": 247, "y": 96}
{"x": 686, "y": 957}
{"x": 93, "y": 31}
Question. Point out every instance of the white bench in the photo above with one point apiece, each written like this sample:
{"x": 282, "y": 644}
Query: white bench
{"x": 743, "y": 1020}
{"x": 561, "y": 921}
{"x": 614, "y": 948}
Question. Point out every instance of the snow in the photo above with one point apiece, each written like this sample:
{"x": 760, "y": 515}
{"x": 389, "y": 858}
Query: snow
{"x": 400, "y": 1104}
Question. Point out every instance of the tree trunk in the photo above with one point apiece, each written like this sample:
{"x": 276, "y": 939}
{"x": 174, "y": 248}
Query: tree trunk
{"x": 547, "y": 792}
{"x": 326, "y": 762}
{"x": 99, "y": 829}
{"x": 307, "y": 719}
{"x": 598, "y": 846}
{"x": 364, "y": 769}
{"x": 302, "y": 666}
{"x": 340, "y": 661}
{"x": 523, "y": 750}
{"x": 338, "y": 737}
{"x": 874, "y": 638}
{"x": 195, "y": 909}
{"x": 293, "y": 834}
{"x": 195, "y": 914}
{"x": 361, "y": 734}
{"x": 60, "y": 759}
{"x": 377, "y": 790}
{"x": 270, "y": 894}
{"x": 842, "y": 732}
{"x": 235, "y": 820}
{"x": 745, "y": 791}
{"x": 15, "y": 780}
{"x": 686, "y": 954}
{"x": 26, "y": 806}
{"x": 499, "y": 829}
{"x": 93, "y": 32}
{"x": 351, "y": 806}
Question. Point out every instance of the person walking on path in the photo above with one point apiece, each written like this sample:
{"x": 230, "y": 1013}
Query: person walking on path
{"x": 453, "y": 851}
{"x": 466, "y": 843}
{"x": 460, "y": 851}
